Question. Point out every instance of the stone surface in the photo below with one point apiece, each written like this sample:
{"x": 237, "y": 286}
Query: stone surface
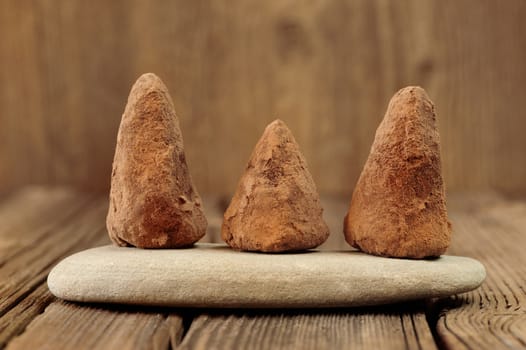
{"x": 153, "y": 203}
{"x": 398, "y": 205}
{"x": 213, "y": 275}
{"x": 276, "y": 207}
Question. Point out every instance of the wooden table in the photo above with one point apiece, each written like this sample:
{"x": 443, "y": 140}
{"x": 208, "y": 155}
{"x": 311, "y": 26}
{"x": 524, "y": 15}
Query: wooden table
{"x": 40, "y": 226}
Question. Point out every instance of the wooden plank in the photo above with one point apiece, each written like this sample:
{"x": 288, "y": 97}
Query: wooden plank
{"x": 15, "y": 320}
{"x": 68, "y": 326}
{"x": 25, "y": 156}
{"x": 42, "y": 230}
{"x": 328, "y": 68}
{"x": 29, "y": 268}
{"x": 35, "y": 219}
{"x": 30, "y": 214}
{"x": 492, "y": 230}
{"x": 40, "y": 226}
{"x": 402, "y": 327}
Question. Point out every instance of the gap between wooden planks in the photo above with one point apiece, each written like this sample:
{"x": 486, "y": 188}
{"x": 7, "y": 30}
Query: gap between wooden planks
{"x": 63, "y": 221}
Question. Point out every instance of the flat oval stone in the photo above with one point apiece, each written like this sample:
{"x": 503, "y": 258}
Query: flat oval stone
{"x": 213, "y": 275}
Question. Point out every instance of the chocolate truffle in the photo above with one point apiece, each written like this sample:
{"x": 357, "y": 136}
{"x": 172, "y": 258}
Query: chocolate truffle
{"x": 276, "y": 207}
{"x": 153, "y": 203}
{"x": 398, "y": 206}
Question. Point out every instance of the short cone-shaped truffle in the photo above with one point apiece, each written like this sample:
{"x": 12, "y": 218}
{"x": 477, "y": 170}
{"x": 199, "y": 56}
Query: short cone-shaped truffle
{"x": 153, "y": 203}
{"x": 398, "y": 206}
{"x": 276, "y": 207}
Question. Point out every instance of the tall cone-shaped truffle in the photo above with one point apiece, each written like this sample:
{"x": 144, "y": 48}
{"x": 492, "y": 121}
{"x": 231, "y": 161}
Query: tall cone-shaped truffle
{"x": 153, "y": 203}
{"x": 276, "y": 207}
{"x": 398, "y": 206}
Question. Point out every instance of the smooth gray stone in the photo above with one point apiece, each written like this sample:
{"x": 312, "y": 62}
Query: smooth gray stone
{"x": 213, "y": 275}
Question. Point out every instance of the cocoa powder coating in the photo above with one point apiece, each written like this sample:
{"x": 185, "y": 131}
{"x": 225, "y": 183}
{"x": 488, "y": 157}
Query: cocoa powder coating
{"x": 276, "y": 207}
{"x": 398, "y": 205}
{"x": 153, "y": 203}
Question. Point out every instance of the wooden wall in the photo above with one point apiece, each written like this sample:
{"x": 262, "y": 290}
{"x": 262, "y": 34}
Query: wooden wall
{"x": 327, "y": 68}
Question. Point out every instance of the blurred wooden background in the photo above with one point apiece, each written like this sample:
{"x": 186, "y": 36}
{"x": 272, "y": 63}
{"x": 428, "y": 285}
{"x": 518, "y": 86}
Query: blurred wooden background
{"x": 328, "y": 68}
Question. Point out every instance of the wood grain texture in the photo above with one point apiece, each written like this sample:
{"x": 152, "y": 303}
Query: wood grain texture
{"x": 30, "y": 214}
{"x": 327, "y": 68}
{"x": 69, "y": 326}
{"x": 29, "y": 243}
{"x": 381, "y": 328}
{"x": 40, "y": 227}
{"x": 15, "y": 320}
{"x": 492, "y": 230}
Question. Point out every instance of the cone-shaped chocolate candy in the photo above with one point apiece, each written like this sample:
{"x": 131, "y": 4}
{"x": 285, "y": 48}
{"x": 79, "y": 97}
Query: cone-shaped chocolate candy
{"x": 276, "y": 207}
{"x": 398, "y": 206}
{"x": 153, "y": 203}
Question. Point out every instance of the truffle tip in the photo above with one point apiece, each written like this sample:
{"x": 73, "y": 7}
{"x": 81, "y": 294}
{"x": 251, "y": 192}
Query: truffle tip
{"x": 148, "y": 81}
{"x": 148, "y": 76}
{"x": 412, "y": 90}
{"x": 277, "y": 125}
